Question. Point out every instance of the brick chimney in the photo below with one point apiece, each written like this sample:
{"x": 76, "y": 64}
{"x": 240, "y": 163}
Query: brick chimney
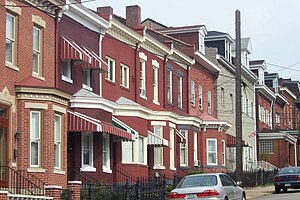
{"x": 133, "y": 16}
{"x": 105, "y": 10}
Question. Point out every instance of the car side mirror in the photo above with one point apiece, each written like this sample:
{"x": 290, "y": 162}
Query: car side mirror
{"x": 239, "y": 183}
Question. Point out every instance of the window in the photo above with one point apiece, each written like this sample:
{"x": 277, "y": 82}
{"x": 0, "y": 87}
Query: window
{"x": 231, "y": 102}
{"x": 86, "y": 79}
{"x": 158, "y": 151}
{"x": 155, "y": 84}
{"x": 277, "y": 119}
{"x": 211, "y": 145}
{"x": 10, "y": 39}
{"x": 184, "y": 149}
{"x": 192, "y": 93}
{"x": 35, "y": 138}
{"x": 266, "y": 146}
{"x": 105, "y": 153}
{"x": 223, "y": 153}
{"x": 87, "y": 152}
{"x": 209, "y": 102}
{"x": 200, "y": 97}
{"x": 124, "y": 73}
{"x": 247, "y": 106}
{"x": 142, "y": 78}
{"x": 180, "y": 92}
{"x": 195, "y": 148}
{"x": 252, "y": 109}
{"x": 37, "y": 60}
{"x": 57, "y": 140}
{"x": 169, "y": 87}
{"x": 172, "y": 150}
{"x": 201, "y": 43}
{"x": 127, "y": 152}
{"x": 222, "y": 97}
{"x": 141, "y": 150}
{"x": 110, "y": 75}
{"x": 66, "y": 71}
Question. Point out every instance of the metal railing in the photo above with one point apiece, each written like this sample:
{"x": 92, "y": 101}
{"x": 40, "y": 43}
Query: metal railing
{"x": 15, "y": 183}
{"x": 121, "y": 175}
{"x": 74, "y": 174}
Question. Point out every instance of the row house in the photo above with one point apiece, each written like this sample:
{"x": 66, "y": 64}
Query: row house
{"x": 225, "y": 93}
{"x": 32, "y": 110}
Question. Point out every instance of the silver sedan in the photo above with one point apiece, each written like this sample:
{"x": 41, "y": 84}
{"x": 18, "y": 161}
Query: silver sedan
{"x": 216, "y": 186}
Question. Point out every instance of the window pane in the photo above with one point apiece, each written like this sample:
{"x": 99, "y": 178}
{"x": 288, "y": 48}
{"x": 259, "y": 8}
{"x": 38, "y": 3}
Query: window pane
{"x": 211, "y": 146}
{"x": 86, "y": 142}
{"x": 212, "y": 158}
{"x": 141, "y": 150}
{"x": 56, "y": 155}
{"x": 35, "y": 63}
{"x": 35, "y": 126}
{"x": 127, "y": 153}
{"x": 36, "y": 39}
{"x": 10, "y": 26}
{"x": 9, "y": 50}
{"x": 34, "y": 153}
{"x": 86, "y": 157}
{"x": 66, "y": 68}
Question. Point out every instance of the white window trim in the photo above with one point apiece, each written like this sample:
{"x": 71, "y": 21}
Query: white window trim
{"x": 38, "y": 139}
{"x": 172, "y": 148}
{"x": 195, "y": 146}
{"x": 180, "y": 91}
{"x": 209, "y": 101}
{"x": 159, "y": 150}
{"x": 193, "y": 95}
{"x": 143, "y": 85}
{"x": 135, "y": 156}
{"x": 87, "y": 86}
{"x": 170, "y": 75}
{"x": 39, "y": 51}
{"x": 124, "y": 83}
{"x": 155, "y": 82}
{"x": 107, "y": 77}
{"x": 13, "y": 63}
{"x": 216, "y": 151}
{"x": 67, "y": 78}
{"x": 59, "y": 143}
{"x": 106, "y": 167}
{"x": 90, "y": 167}
{"x": 223, "y": 153}
{"x": 200, "y": 90}
{"x": 186, "y": 147}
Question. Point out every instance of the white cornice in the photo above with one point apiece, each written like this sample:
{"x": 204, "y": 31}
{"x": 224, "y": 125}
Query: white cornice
{"x": 248, "y": 74}
{"x": 277, "y": 135}
{"x": 282, "y": 98}
{"x": 185, "y": 29}
{"x": 92, "y": 102}
{"x": 266, "y": 91}
{"x": 289, "y": 92}
{"x": 225, "y": 63}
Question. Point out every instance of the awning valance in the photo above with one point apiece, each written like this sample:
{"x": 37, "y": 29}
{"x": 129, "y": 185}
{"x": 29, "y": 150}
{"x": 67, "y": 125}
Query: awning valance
{"x": 156, "y": 140}
{"x": 78, "y": 122}
{"x": 70, "y": 50}
{"x": 96, "y": 61}
{"x": 180, "y": 136}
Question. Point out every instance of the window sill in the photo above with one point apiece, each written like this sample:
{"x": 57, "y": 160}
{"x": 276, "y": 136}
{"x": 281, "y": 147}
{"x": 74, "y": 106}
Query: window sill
{"x": 173, "y": 168}
{"x": 88, "y": 169}
{"x": 106, "y": 170}
{"x": 134, "y": 163}
{"x": 36, "y": 169}
{"x": 212, "y": 164}
{"x": 59, "y": 171}
{"x": 159, "y": 167}
{"x": 11, "y": 66}
{"x": 87, "y": 87}
{"x": 156, "y": 102}
{"x": 38, "y": 77}
{"x": 111, "y": 82}
{"x": 66, "y": 79}
{"x": 143, "y": 97}
{"x": 124, "y": 87}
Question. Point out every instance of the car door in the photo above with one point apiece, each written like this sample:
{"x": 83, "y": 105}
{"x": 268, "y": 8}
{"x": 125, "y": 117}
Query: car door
{"x": 236, "y": 190}
{"x": 226, "y": 185}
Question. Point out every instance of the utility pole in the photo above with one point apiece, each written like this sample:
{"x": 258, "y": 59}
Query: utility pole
{"x": 238, "y": 110}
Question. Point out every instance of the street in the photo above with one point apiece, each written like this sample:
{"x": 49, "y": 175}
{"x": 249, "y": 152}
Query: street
{"x": 290, "y": 195}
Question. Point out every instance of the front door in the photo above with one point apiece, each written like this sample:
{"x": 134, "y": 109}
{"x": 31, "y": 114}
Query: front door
{"x": 3, "y": 146}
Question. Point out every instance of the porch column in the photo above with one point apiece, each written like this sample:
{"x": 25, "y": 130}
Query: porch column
{"x": 74, "y": 187}
{"x": 295, "y": 150}
{"x": 53, "y": 191}
{"x": 3, "y": 195}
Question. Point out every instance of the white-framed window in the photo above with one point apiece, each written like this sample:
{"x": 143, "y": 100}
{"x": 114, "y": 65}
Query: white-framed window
{"x": 247, "y": 106}
{"x": 222, "y": 97}
{"x": 37, "y": 54}
{"x": 87, "y": 152}
{"x": 172, "y": 150}
{"x": 35, "y": 138}
{"x": 127, "y": 152}
{"x": 209, "y": 102}
{"x": 200, "y": 95}
{"x": 211, "y": 145}
{"x": 252, "y": 109}
{"x": 142, "y": 78}
{"x": 155, "y": 84}
{"x": 106, "y": 153}
{"x": 179, "y": 91}
{"x": 141, "y": 144}
{"x": 193, "y": 97}
{"x": 111, "y": 71}
{"x": 57, "y": 141}
{"x": 124, "y": 73}
{"x": 170, "y": 86}
{"x": 86, "y": 73}
{"x": 277, "y": 116}
{"x": 266, "y": 146}
{"x": 10, "y": 49}
{"x": 201, "y": 43}
{"x": 66, "y": 71}
{"x": 231, "y": 102}
{"x": 184, "y": 149}
{"x": 195, "y": 146}
{"x": 158, "y": 151}
{"x": 223, "y": 153}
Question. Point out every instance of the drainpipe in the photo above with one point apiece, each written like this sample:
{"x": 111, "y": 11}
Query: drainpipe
{"x": 188, "y": 92}
{"x": 136, "y": 64}
{"x": 164, "y": 79}
{"x": 101, "y": 35}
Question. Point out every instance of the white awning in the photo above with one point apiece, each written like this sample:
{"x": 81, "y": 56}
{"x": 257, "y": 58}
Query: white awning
{"x": 156, "y": 140}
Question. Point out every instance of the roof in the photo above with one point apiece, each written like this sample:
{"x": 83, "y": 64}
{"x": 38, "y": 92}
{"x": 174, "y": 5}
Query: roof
{"x": 206, "y": 117}
{"x": 215, "y": 33}
{"x": 153, "y": 21}
{"x": 33, "y": 82}
{"x": 256, "y": 62}
{"x": 183, "y": 29}
{"x": 85, "y": 93}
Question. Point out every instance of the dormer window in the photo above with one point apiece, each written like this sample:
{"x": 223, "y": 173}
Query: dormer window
{"x": 228, "y": 51}
{"x": 201, "y": 43}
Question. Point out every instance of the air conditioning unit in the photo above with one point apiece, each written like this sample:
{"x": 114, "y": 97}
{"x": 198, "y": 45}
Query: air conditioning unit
{"x": 196, "y": 163}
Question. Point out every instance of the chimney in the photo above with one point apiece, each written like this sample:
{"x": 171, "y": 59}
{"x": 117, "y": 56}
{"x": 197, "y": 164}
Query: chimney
{"x": 133, "y": 16}
{"x": 105, "y": 10}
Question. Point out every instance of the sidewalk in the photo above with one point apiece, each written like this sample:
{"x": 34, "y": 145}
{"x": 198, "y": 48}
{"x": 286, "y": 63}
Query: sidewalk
{"x": 252, "y": 193}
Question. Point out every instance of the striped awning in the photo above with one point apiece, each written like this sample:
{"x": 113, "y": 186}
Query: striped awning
{"x": 231, "y": 141}
{"x": 96, "y": 61}
{"x": 156, "y": 140}
{"x": 70, "y": 50}
{"x": 78, "y": 122}
{"x": 180, "y": 136}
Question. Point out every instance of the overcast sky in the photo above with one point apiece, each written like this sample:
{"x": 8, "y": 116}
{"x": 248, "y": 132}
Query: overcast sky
{"x": 272, "y": 25}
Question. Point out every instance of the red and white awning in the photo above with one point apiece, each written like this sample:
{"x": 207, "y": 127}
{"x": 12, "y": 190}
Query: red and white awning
{"x": 96, "y": 62}
{"x": 180, "y": 136}
{"x": 70, "y": 50}
{"x": 156, "y": 140}
{"x": 78, "y": 122}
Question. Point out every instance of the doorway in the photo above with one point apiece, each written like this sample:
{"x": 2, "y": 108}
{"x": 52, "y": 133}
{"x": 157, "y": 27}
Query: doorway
{"x": 3, "y": 146}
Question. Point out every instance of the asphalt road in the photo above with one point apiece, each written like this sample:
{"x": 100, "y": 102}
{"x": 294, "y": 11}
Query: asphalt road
{"x": 290, "y": 195}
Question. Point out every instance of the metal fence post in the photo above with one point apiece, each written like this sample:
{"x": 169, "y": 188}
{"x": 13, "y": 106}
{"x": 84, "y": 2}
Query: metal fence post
{"x": 126, "y": 190}
{"x": 174, "y": 181}
{"x": 90, "y": 191}
{"x": 137, "y": 185}
{"x": 164, "y": 186}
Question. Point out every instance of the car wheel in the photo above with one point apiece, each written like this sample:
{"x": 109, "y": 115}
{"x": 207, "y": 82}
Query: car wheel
{"x": 277, "y": 190}
{"x": 285, "y": 189}
{"x": 244, "y": 197}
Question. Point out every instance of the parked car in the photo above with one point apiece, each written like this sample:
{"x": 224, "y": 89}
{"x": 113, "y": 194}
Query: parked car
{"x": 286, "y": 178}
{"x": 217, "y": 186}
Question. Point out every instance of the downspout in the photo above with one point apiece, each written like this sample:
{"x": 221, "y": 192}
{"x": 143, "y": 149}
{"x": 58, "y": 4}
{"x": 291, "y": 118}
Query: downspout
{"x": 164, "y": 79}
{"x": 137, "y": 46}
{"x": 101, "y": 35}
{"x": 188, "y": 92}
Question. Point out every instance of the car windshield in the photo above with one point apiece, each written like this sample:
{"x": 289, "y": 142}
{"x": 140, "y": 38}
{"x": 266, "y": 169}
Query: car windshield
{"x": 290, "y": 170}
{"x": 198, "y": 181}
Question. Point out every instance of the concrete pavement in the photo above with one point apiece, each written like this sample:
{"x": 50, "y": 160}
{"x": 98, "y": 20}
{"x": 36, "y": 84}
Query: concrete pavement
{"x": 252, "y": 193}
